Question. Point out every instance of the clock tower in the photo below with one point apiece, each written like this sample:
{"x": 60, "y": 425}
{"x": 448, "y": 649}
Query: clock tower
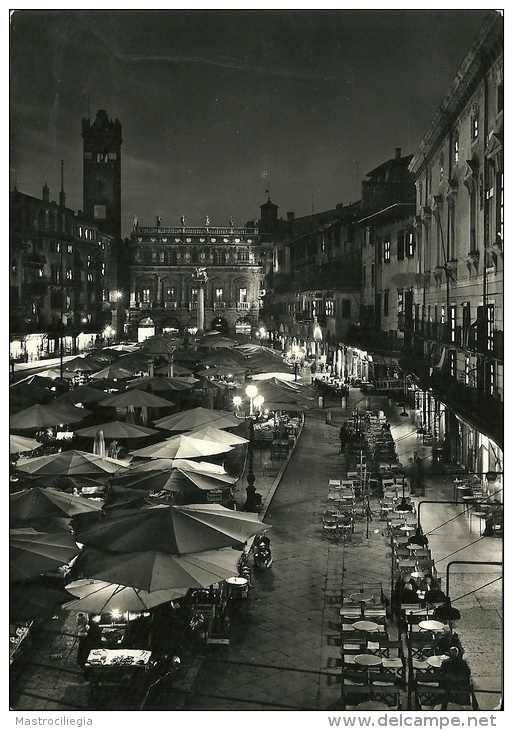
{"x": 102, "y": 172}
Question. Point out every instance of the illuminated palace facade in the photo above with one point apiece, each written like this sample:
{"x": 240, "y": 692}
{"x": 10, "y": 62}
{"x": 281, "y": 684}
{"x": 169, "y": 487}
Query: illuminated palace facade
{"x": 164, "y": 290}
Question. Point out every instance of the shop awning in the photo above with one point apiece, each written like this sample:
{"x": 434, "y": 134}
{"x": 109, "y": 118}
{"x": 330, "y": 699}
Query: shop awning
{"x": 35, "y": 336}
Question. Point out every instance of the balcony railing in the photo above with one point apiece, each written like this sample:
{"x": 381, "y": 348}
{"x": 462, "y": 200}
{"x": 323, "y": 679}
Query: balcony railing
{"x": 170, "y": 305}
{"x": 243, "y": 305}
{"x": 197, "y": 231}
{"x": 220, "y": 305}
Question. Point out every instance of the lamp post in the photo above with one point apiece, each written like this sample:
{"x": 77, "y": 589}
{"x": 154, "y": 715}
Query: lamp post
{"x": 255, "y": 400}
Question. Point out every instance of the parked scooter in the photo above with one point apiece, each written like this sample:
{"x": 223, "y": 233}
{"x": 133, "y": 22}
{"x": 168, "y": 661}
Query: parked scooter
{"x": 262, "y": 556}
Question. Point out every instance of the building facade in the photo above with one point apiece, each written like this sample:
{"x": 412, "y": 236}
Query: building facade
{"x": 314, "y": 290}
{"x": 60, "y": 277}
{"x": 165, "y": 289}
{"x": 453, "y": 329}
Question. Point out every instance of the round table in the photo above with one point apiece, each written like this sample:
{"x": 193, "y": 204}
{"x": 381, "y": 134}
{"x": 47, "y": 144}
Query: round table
{"x": 436, "y": 660}
{"x": 418, "y": 574}
{"x": 407, "y": 528}
{"x": 431, "y": 625}
{"x": 365, "y": 626}
{"x": 237, "y": 585}
{"x": 372, "y": 705}
{"x": 367, "y": 660}
{"x": 363, "y": 597}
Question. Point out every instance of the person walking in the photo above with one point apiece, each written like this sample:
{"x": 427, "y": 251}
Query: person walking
{"x": 420, "y": 476}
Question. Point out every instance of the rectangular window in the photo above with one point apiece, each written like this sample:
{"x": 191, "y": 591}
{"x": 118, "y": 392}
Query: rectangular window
{"x": 490, "y": 322}
{"x": 89, "y": 277}
{"x": 373, "y": 274}
{"x": 452, "y": 363}
{"x": 386, "y": 301}
{"x": 89, "y": 262}
{"x": 386, "y": 250}
{"x": 194, "y": 295}
{"x": 441, "y": 167}
{"x": 69, "y": 274}
{"x": 162, "y": 257}
{"x": 400, "y": 246}
{"x": 456, "y": 150}
{"x": 330, "y": 308}
{"x": 499, "y": 227}
{"x": 218, "y": 257}
{"x": 170, "y": 294}
{"x": 500, "y": 98}
{"x": 346, "y": 308}
{"x": 145, "y": 296}
{"x": 243, "y": 295}
{"x": 244, "y": 256}
{"x": 70, "y": 248}
{"x": 400, "y": 301}
{"x": 219, "y": 295}
{"x": 474, "y": 126}
{"x": 364, "y": 275}
{"x": 452, "y": 314}
{"x": 410, "y": 244}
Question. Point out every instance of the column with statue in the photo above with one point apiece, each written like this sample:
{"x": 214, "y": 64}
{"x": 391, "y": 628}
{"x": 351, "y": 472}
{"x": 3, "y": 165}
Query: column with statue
{"x": 200, "y": 278}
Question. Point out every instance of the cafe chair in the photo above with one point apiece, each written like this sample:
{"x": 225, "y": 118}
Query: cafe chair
{"x": 386, "y": 692}
{"x": 330, "y": 529}
{"x": 427, "y": 692}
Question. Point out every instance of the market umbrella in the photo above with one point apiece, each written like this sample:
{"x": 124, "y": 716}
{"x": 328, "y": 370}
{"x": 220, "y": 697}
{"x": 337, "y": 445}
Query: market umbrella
{"x": 30, "y": 393}
{"x": 52, "y": 384}
{"x": 31, "y": 504}
{"x": 163, "y": 384}
{"x": 211, "y": 433}
{"x": 117, "y": 430}
{"x": 284, "y": 406}
{"x": 67, "y": 482}
{"x": 115, "y": 371}
{"x": 81, "y": 394}
{"x": 181, "y": 480}
{"x": 225, "y": 356}
{"x": 29, "y": 600}
{"x": 32, "y": 553}
{"x": 137, "y": 399}
{"x": 81, "y": 364}
{"x": 98, "y": 596}
{"x": 222, "y": 370}
{"x": 196, "y": 417}
{"x": 218, "y": 342}
{"x": 20, "y": 444}
{"x": 176, "y": 530}
{"x": 179, "y": 371}
{"x": 183, "y": 446}
{"x": 71, "y": 462}
{"x": 38, "y": 416}
{"x": 156, "y": 571}
{"x": 161, "y": 347}
{"x": 286, "y": 376}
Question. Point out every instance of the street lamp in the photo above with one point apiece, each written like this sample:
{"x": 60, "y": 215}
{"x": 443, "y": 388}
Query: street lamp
{"x": 255, "y": 401}
{"x": 108, "y": 332}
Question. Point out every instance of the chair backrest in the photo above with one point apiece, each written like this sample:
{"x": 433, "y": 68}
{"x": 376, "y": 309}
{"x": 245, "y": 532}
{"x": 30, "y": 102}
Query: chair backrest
{"x": 334, "y": 483}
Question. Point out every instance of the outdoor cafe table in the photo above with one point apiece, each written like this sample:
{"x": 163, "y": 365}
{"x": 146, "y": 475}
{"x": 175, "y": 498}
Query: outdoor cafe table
{"x": 372, "y": 705}
{"x": 365, "y": 626}
{"x": 362, "y": 597}
{"x": 431, "y": 626}
{"x": 436, "y": 660}
{"x": 368, "y": 661}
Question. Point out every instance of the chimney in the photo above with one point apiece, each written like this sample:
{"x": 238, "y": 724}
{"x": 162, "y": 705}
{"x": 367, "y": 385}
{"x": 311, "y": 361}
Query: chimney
{"x": 397, "y": 153}
{"x": 46, "y": 193}
{"x": 290, "y": 216}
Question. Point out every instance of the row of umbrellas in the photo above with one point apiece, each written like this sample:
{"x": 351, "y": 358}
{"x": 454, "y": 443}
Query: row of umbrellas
{"x": 135, "y": 558}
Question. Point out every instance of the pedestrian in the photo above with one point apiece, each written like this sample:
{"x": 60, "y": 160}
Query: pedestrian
{"x": 343, "y": 436}
{"x": 420, "y": 478}
{"x": 114, "y": 450}
{"x": 250, "y": 497}
{"x": 455, "y": 680}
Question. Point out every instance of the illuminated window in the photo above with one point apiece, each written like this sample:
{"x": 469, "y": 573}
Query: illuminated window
{"x": 145, "y": 295}
{"x": 386, "y": 250}
{"x": 218, "y": 295}
{"x": 243, "y": 295}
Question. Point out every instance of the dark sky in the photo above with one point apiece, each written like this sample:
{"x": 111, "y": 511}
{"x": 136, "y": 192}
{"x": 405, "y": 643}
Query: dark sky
{"x": 212, "y": 100}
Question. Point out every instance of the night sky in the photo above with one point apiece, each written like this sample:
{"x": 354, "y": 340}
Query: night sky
{"x": 218, "y": 106}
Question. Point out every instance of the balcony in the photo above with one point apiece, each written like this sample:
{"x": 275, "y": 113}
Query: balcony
{"x": 32, "y": 258}
{"x": 192, "y": 306}
{"x": 220, "y": 306}
{"x": 170, "y": 305}
{"x": 243, "y": 306}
